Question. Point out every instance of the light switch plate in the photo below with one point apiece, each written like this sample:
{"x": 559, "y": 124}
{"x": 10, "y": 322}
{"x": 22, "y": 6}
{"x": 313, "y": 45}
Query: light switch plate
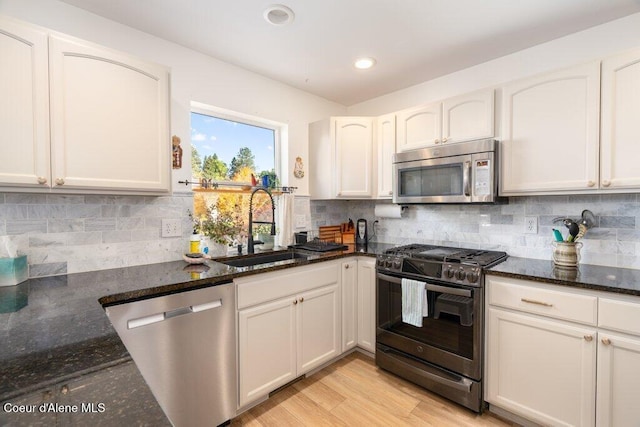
{"x": 301, "y": 221}
{"x": 171, "y": 227}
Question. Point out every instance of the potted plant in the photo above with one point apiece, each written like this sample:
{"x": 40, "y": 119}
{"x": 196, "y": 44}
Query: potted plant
{"x": 220, "y": 226}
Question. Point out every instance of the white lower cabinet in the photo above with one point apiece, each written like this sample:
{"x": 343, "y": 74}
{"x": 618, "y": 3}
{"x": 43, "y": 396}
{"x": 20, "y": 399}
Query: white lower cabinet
{"x": 289, "y": 322}
{"x": 562, "y": 356}
{"x": 541, "y": 369}
{"x": 349, "y": 304}
{"x": 367, "y": 304}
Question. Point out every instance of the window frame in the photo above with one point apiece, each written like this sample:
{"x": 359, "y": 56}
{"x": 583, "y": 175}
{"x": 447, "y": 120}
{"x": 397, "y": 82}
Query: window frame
{"x": 278, "y": 128}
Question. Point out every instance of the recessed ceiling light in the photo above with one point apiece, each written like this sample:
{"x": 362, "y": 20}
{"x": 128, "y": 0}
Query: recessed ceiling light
{"x": 364, "y": 63}
{"x": 278, "y": 14}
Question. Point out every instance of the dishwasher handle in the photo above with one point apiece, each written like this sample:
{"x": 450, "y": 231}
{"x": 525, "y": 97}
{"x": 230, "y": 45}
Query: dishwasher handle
{"x": 159, "y": 317}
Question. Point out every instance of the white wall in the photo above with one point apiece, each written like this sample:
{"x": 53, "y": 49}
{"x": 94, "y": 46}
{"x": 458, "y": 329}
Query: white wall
{"x": 194, "y": 77}
{"x": 587, "y": 45}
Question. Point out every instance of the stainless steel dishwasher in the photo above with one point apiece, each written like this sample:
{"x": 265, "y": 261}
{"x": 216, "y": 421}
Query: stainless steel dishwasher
{"x": 184, "y": 346}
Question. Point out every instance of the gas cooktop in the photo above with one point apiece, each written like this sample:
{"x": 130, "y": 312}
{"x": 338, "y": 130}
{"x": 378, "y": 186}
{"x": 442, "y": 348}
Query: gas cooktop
{"x": 477, "y": 257}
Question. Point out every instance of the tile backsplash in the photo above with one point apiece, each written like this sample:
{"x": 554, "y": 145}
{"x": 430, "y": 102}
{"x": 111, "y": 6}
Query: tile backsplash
{"x": 74, "y": 233}
{"x": 614, "y": 242}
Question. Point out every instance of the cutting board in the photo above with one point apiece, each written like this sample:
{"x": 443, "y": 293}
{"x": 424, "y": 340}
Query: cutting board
{"x": 328, "y": 233}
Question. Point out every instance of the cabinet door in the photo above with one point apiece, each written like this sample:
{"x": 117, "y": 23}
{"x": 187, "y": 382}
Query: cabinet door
{"x": 354, "y": 152}
{"x": 367, "y": 304}
{"x": 386, "y": 143}
{"x": 24, "y": 105}
{"x": 620, "y": 125}
{"x": 550, "y": 132}
{"x": 541, "y": 370}
{"x": 349, "y": 283}
{"x": 266, "y": 348}
{"x": 419, "y": 127}
{"x": 318, "y": 327}
{"x": 468, "y": 117}
{"x": 618, "y": 379}
{"x": 109, "y": 119}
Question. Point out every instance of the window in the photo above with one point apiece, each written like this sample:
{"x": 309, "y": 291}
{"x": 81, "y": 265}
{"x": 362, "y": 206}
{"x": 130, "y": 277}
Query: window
{"x": 226, "y": 150}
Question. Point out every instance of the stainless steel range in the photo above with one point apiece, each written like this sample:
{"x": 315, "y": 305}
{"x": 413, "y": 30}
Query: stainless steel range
{"x": 441, "y": 348}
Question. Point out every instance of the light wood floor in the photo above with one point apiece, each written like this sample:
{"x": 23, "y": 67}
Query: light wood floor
{"x": 354, "y": 392}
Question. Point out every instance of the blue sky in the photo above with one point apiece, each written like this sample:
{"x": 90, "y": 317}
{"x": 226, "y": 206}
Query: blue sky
{"x": 212, "y": 135}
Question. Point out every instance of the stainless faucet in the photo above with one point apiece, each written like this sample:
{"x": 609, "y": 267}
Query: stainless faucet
{"x": 250, "y": 242}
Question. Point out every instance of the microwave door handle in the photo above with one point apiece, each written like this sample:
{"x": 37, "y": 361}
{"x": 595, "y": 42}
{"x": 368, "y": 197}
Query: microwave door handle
{"x": 466, "y": 179}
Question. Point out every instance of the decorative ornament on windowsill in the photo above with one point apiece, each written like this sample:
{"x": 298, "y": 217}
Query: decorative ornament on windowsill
{"x": 298, "y": 168}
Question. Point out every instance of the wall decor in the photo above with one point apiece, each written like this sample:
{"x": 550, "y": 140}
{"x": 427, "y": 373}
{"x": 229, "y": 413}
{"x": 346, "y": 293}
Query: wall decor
{"x": 298, "y": 169}
{"x": 177, "y": 152}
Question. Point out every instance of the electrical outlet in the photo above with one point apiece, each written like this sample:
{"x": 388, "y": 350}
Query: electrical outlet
{"x": 171, "y": 228}
{"x": 531, "y": 224}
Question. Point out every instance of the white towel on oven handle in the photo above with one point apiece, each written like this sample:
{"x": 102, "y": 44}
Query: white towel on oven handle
{"x": 415, "y": 305}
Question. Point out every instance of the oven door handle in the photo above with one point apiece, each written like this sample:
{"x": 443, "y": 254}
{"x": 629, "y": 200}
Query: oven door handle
{"x": 429, "y": 286}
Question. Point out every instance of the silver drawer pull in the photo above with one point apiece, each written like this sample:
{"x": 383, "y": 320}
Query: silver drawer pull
{"x": 144, "y": 321}
{"x": 532, "y": 301}
{"x": 206, "y": 306}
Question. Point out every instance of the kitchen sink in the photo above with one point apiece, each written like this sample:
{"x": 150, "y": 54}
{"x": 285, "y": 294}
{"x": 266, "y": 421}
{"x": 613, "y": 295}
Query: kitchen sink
{"x": 250, "y": 261}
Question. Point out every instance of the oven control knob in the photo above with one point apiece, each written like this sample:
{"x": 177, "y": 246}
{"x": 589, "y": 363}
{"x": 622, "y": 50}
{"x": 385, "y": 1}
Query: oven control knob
{"x": 473, "y": 277}
{"x": 388, "y": 263}
{"x": 381, "y": 263}
{"x": 397, "y": 264}
{"x": 450, "y": 273}
{"x": 461, "y": 274}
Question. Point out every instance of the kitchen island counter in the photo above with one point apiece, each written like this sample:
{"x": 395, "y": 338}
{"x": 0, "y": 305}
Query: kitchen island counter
{"x": 55, "y": 328}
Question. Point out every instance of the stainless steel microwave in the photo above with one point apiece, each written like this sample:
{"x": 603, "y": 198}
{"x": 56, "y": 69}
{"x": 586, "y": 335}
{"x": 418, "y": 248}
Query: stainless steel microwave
{"x": 463, "y": 172}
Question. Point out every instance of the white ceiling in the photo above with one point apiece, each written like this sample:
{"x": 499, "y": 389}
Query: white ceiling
{"x": 412, "y": 40}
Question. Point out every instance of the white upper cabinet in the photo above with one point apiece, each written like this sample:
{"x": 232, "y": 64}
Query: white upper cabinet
{"x": 341, "y": 158}
{"x": 468, "y": 117}
{"x": 386, "y": 144}
{"x": 620, "y": 133}
{"x": 109, "y": 119}
{"x": 24, "y": 105}
{"x": 77, "y": 117}
{"x": 354, "y": 157}
{"x": 419, "y": 127}
{"x": 550, "y": 132}
{"x": 461, "y": 118}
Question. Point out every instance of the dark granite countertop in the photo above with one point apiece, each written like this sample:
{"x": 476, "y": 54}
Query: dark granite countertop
{"x": 55, "y": 328}
{"x": 594, "y": 277}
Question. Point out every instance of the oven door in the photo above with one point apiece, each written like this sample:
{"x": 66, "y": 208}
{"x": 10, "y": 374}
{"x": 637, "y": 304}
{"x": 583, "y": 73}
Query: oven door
{"x": 451, "y": 334}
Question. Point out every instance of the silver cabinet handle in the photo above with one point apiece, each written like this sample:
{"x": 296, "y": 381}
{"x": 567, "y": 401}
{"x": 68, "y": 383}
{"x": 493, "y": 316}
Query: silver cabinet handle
{"x": 588, "y": 338}
{"x": 42, "y": 180}
{"x": 295, "y": 301}
{"x": 301, "y": 299}
{"x": 606, "y": 183}
{"x": 346, "y": 266}
{"x": 445, "y": 139}
{"x": 437, "y": 141}
{"x": 606, "y": 341}
{"x": 59, "y": 181}
{"x": 590, "y": 184}
{"x": 532, "y": 301}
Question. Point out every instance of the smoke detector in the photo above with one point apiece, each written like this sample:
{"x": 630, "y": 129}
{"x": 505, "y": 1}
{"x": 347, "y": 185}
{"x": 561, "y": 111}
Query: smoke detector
{"x": 278, "y": 14}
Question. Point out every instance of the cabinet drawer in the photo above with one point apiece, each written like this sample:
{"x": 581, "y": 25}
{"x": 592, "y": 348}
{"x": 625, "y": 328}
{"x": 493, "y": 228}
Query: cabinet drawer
{"x": 530, "y": 297}
{"x": 278, "y": 284}
{"x": 619, "y": 315}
